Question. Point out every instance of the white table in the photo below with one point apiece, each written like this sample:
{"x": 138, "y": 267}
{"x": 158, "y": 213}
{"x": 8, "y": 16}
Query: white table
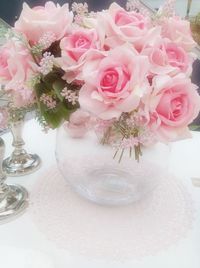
{"x": 23, "y": 234}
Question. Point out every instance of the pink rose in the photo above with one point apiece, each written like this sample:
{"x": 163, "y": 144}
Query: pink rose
{"x": 21, "y": 65}
{"x": 74, "y": 48}
{"x": 17, "y": 68}
{"x": 168, "y": 58}
{"x": 37, "y": 22}
{"x": 79, "y": 124}
{"x": 178, "y": 31}
{"x": 173, "y": 104}
{"x": 126, "y": 26}
{"x": 114, "y": 83}
{"x": 4, "y": 65}
{"x": 79, "y": 42}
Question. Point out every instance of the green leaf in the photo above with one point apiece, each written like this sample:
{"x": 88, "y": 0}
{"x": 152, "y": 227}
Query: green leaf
{"x": 55, "y": 117}
{"x": 41, "y": 88}
{"x": 53, "y": 76}
{"x": 6, "y": 32}
{"x": 54, "y": 84}
{"x": 58, "y": 87}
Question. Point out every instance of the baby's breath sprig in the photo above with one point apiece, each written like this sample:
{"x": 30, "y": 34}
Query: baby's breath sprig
{"x": 81, "y": 12}
{"x": 34, "y": 80}
{"x": 42, "y": 122}
{"x": 137, "y": 6}
{"x": 167, "y": 10}
{"x": 44, "y": 43}
{"x": 48, "y": 101}
{"x": 130, "y": 138}
{"x": 80, "y": 8}
{"x": 46, "y": 63}
{"x": 70, "y": 95}
{"x": 127, "y": 133}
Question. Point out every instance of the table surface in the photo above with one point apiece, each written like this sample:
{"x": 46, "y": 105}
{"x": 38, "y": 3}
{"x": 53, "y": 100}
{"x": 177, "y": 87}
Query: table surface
{"x": 22, "y": 234}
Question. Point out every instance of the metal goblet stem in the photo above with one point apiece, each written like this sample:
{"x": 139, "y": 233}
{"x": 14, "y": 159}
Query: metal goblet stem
{"x": 13, "y": 198}
{"x": 20, "y": 162}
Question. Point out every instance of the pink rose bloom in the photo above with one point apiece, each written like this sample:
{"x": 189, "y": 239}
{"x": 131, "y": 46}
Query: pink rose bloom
{"x": 179, "y": 32}
{"x": 74, "y": 48}
{"x": 37, "y": 22}
{"x": 114, "y": 83}
{"x": 127, "y": 26}
{"x": 20, "y": 64}
{"x": 168, "y": 58}
{"x": 4, "y": 57}
{"x": 16, "y": 70}
{"x": 79, "y": 42}
{"x": 79, "y": 124}
{"x": 173, "y": 104}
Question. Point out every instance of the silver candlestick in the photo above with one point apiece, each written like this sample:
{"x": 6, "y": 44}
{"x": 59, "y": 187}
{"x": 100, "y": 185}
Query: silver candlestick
{"x": 20, "y": 162}
{"x": 13, "y": 198}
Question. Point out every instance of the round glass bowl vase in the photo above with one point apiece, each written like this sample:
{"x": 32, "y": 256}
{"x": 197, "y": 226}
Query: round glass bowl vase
{"x": 93, "y": 172}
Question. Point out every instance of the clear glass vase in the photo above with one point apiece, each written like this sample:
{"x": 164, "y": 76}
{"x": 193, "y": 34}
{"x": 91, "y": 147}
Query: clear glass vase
{"x": 93, "y": 172}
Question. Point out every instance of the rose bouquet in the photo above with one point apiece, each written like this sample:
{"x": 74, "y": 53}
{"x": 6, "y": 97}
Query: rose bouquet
{"x": 122, "y": 72}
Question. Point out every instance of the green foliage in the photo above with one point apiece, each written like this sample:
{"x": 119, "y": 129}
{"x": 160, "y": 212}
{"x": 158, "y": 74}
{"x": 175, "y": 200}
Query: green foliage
{"x": 52, "y": 85}
{"x": 4, "y": 29}
{"x": 58, "y": 85}
{"x": 7, "y": 32}
{"x": 40, "y": 119}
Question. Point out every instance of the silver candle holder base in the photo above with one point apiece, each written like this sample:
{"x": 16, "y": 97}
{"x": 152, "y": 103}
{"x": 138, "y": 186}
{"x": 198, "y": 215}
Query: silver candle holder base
{"x": 23, "y": 164}
{"x": 14, "y": 202}
{"x": 13, "y": 198}
{"x": 20, "y": 162}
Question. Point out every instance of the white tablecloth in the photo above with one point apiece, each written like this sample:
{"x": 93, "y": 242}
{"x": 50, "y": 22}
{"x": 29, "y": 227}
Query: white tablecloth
{"x": 22, "y": 238}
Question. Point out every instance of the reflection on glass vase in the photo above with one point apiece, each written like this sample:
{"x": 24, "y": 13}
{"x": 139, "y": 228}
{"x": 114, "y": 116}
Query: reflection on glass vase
{"x": 13, "y": 198}
{"x": 20, "y": 162}
{"x": 89, "y": 167}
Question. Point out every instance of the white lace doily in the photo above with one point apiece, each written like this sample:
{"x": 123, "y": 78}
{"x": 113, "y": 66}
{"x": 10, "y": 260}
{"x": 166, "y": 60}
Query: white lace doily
{"x": 127, "y": 232}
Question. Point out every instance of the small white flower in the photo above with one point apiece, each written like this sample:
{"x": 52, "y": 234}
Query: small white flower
{"x": 80, "y": 8}
{"x": 70, "y": 95}
{"x": 48, "y": 101}
{"x": 46, "y": 40}
{"x": 46, "y": 63}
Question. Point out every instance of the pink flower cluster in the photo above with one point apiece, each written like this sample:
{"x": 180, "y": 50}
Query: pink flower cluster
{"x": 123, "y": 60}
{"x": 40, "y": 26}
{"x": 16, "y": 69}
{"x": 48, "y": 101}
{"x": 127, "y": 62}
